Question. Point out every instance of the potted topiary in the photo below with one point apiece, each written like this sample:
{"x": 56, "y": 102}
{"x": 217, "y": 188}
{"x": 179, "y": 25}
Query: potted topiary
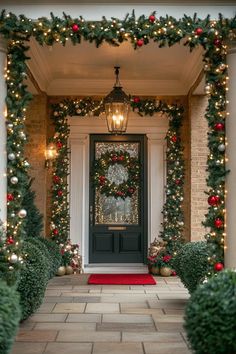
{"x": 191, "y": 264}
{"x": 210, "y": 317}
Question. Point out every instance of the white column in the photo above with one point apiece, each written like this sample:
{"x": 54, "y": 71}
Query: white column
{"x": 79, "y": 192}
{"x": 156, "y": 181}
{"x": 3, "y": 179}
{"x": 230, "y": 252}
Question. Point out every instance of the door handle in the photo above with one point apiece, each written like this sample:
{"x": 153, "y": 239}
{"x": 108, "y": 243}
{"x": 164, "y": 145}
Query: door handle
{"x": 91, "y": 214}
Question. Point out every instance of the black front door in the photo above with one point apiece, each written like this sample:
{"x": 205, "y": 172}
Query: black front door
{"x": 118, "y": 232}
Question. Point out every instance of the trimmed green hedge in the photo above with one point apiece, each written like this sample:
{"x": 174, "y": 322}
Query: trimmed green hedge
{"x": 33, "y": 279}
{"x": 9, "y": 316}
{"x": 44, "y": 250}
{"x": 191, "y": 264}
{"x": 211, "y": 315}
{"x": 54, "y": 251}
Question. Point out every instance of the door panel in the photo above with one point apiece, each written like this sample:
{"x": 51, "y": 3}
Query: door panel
{"x": 118, "y": 226}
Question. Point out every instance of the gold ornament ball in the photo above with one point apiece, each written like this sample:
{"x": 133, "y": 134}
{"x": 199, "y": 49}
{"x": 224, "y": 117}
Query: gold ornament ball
{"x": 69, "y": 270}
{"x": 155, "y": 270}
{"x": 61, "y": 271}
{"x": 165, "y": 271}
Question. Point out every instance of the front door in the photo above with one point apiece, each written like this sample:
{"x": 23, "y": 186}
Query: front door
{"x": 118, "y": 207}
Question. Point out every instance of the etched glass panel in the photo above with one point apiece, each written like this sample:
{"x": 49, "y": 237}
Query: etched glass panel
{"x": 109, "y": 210}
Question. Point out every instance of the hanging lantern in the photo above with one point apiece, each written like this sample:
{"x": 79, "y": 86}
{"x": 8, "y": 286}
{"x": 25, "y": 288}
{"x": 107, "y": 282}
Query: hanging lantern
{"x": 117, "y": 105}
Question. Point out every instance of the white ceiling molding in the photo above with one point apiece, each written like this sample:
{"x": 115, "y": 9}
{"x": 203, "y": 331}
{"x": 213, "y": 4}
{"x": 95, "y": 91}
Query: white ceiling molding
{"x": 86, "y": 70}
{"x": 103, "y": 87}
{"x": 38, "y": 66}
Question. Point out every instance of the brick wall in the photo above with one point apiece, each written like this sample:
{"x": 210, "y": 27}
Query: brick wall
{"x": 40, "y": 128}
{"x": 36, "y": 128}
{"x": 199, "y": 152}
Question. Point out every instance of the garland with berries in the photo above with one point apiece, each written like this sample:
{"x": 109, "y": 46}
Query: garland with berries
{"x": 173, "y": 221}
{"x": 165, "y": 31}
{"x": 101, "y": 181}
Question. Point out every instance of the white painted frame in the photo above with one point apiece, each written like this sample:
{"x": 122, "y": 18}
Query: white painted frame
{"x": 155, "y": 129}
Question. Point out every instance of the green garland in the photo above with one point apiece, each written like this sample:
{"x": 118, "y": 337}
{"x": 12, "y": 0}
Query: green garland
{"x": 173, "y": 221}
{"x": 110, "y": 189}
{"x": 165, "y": 31}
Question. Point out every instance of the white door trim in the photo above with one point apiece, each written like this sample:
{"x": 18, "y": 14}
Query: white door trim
{"x": 80, "y": 128}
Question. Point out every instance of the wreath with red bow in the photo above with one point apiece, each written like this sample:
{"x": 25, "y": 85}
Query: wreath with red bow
{"x": 111, "y": 189}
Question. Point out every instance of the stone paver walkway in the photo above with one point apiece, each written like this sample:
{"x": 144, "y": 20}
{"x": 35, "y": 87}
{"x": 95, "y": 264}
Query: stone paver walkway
{"x": 77, "y": 318}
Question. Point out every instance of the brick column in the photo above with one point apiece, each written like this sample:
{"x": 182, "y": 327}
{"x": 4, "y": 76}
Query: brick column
{"x": 199, "y": 152}
{"x": 3, "y": 91}
{"x": 230, "y": 251}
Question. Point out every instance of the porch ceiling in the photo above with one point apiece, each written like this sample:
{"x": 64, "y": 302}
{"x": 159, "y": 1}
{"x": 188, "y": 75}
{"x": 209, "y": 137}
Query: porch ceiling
{"x": 86, "y": 70}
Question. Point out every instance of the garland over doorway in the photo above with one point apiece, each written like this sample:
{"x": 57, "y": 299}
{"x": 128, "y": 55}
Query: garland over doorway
{"x": 211, "y": 35}
{"x": 173, "y": 221}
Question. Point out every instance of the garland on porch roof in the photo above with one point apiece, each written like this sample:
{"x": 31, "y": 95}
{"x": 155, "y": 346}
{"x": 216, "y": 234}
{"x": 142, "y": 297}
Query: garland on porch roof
{"x": 165, "y": 31}
{"x": 173, "y": 220}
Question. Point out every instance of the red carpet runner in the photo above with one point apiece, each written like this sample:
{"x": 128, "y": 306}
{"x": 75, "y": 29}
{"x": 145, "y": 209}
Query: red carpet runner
{"x": 121, "y": 279}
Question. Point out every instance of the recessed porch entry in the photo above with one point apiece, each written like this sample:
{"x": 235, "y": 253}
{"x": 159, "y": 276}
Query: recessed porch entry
{"x": 82, "y": 131}
{"x": 118, "y": 226}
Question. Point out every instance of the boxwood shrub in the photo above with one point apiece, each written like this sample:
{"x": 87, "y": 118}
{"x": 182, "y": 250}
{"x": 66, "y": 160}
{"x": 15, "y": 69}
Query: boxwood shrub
{"x": 191, "y": 264}
{"x": 54, "y": 251}
{"x": 43, "y": 249}
{"x": 33, "y": 279}
{"x": 9, "y": 316}
{"x": 210, "y": 317}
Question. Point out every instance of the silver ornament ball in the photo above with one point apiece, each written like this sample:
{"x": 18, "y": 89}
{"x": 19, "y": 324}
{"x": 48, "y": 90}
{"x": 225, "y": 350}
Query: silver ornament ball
{"x": 14, "y": 180}
{"x": 22, "y": 213}
{"x": 221, "y": 147}
{"x": 9, "y": 125}
{"x": 11, "y": 156}
{"x": 13, "y": 258}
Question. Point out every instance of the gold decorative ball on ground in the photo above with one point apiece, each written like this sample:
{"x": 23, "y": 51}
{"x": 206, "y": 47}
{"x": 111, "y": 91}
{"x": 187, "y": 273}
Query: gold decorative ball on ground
{"x": 165, "y": 271}
{"x": 61, "y": 271}
{"x": 69, "y": 270}
{"x": 155, "y": 270}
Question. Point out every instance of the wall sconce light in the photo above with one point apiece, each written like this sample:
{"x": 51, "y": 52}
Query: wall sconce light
{"x": 50, "y": 155}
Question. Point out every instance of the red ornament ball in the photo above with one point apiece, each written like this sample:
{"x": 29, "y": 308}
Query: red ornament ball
{"x": 131, "y": 190}
{"x": 217, "y": 42}
{"x": 59, "y": 144}
{"x": 213, "y": 200}
{"x": 59, "y": 193}
{"x": 120, "y": 158}
{"x": 10, "y": 240}
{"x": 218, "y": 267}
{"x": 177, "y": 181}
{"x": 75, "y": 27}
{"x": 218, "y": 223}
{"x": 152, "y": 18}
{"x": 219, "y": 127}
{"x": 10, "y": 197}
{"x": 55, "y": 232}
{"x": 198, "y": 31}
{"x": 140, "y": 42}
{"x": 136, "y": 99}
{"x": 174, "y": 138}
{"x": 120, "y": 193}
{"x": 173, "y": 273}
{"x": 114, "y": 158}
{"x": 56, "y": 179}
